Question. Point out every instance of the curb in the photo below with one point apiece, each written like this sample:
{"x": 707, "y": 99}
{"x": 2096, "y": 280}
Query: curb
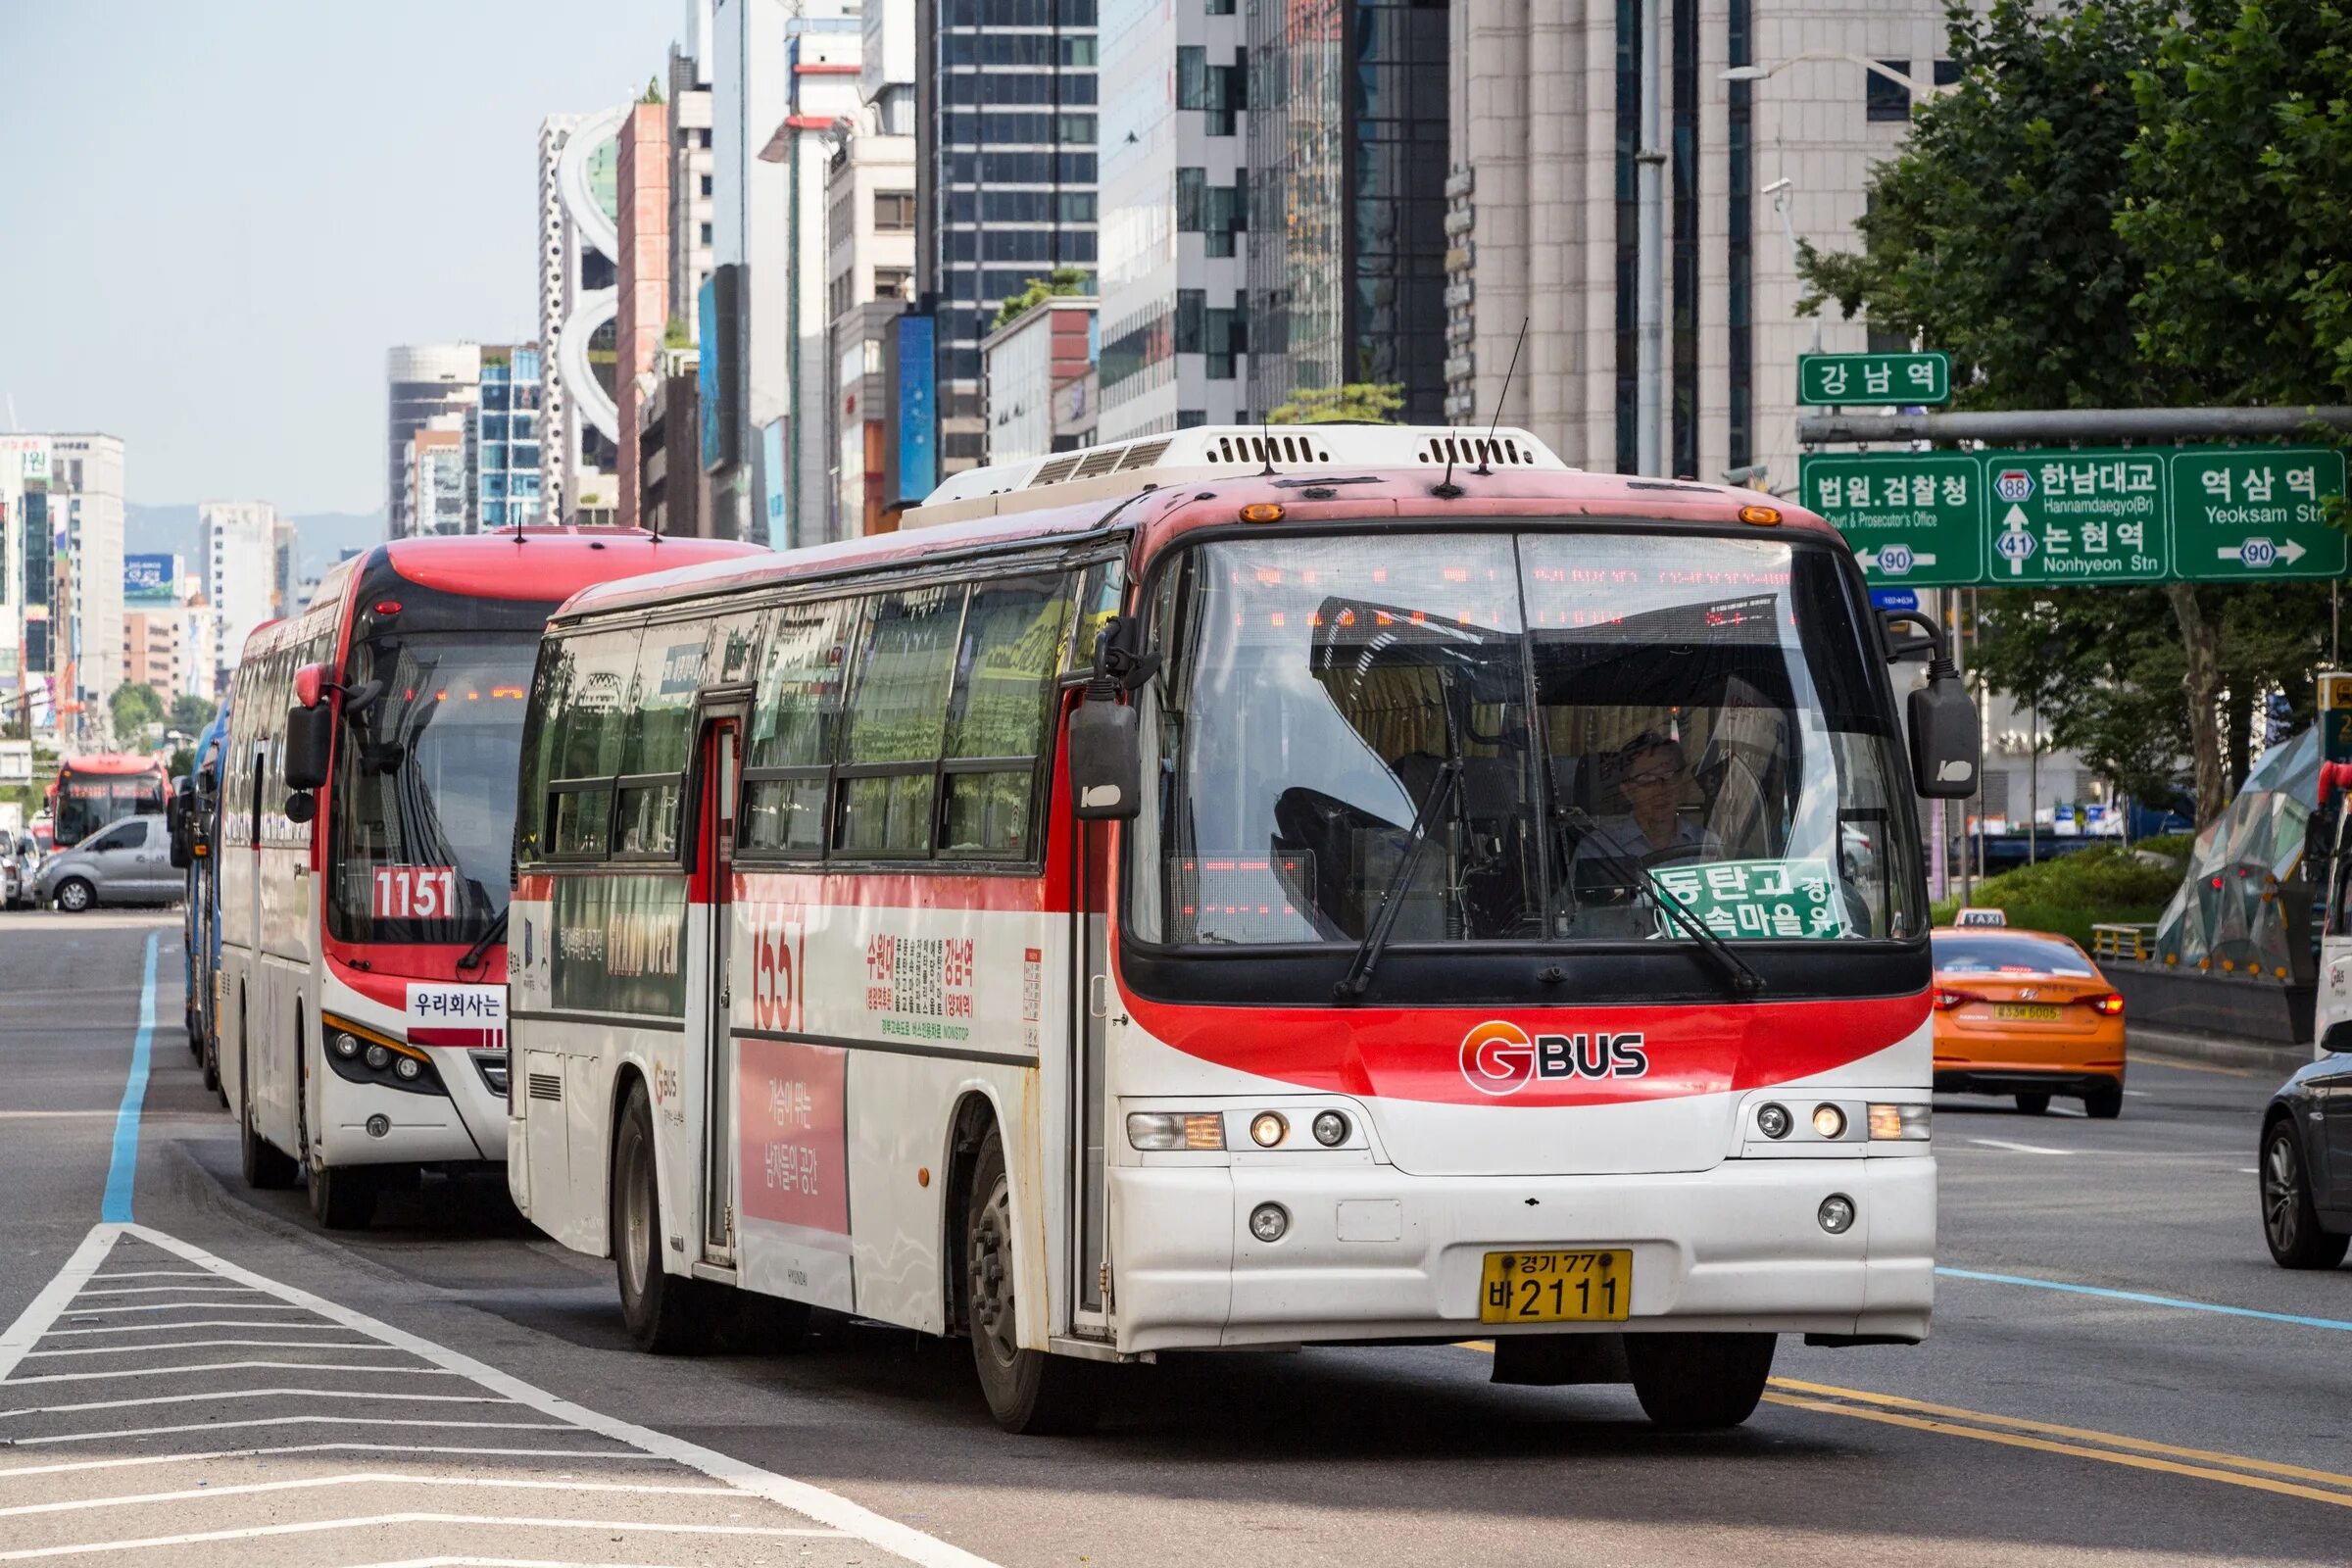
{"x": 2220, "y": 1049}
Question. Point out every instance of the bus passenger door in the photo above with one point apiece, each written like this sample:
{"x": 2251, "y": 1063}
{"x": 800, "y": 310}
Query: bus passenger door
{"x": 1092, "y": 999}
{"x": 720, "y": 769}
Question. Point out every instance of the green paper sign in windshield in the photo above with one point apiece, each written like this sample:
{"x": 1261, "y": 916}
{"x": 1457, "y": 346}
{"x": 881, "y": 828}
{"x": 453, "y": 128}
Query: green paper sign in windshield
{"x": 1762, "y": 901}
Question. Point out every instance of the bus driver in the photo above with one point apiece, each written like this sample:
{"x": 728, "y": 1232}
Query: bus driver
{"x": 1608, "y": 889}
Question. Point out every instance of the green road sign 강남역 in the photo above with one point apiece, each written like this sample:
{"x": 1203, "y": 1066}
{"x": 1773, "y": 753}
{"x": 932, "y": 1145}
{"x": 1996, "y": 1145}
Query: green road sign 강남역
{"x": 1916, "y": 520}
{"x": 1832, "y": 380}
{"x": 2244, "y": 514}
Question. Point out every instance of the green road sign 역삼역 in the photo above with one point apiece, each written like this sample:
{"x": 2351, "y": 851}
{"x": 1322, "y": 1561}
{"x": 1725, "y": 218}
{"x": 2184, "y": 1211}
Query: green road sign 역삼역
{"x": 2244, "y": 514}
{"x": 1832, "y": 380}
{"x": 2075, "y": 517}
{"x": 1915, "y": 519}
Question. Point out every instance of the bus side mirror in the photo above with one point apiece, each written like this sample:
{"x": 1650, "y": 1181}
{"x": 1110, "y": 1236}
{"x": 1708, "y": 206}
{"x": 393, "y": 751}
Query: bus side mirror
{"x": 310, "y": 684}
{"x": 309, "y": 732}
{"x": 178, "y": 819}
{"x": 1106, "y": 762}
{"x": 1944, "y": 742}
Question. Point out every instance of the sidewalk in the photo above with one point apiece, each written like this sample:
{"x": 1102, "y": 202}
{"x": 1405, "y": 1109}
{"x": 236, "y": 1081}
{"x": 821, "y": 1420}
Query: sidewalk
{"x": 2260, "y": 1055}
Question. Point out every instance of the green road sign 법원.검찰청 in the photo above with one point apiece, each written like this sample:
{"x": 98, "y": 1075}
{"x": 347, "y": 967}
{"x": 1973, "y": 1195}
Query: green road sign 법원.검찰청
{"x": 2053, "y": 518}
{"x": 1830, "y": 381}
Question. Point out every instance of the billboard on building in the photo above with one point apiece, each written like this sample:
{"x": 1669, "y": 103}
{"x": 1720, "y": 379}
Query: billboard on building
{"x": 28, "y": 454}
{"x": 150, "y": 582}
{"x": 771, "y": 485}
{"x": 917, "y": 408}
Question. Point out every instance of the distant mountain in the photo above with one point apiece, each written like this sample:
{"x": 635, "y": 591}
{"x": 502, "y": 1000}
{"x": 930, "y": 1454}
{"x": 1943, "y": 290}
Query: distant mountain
{"x": 325, "y": 535}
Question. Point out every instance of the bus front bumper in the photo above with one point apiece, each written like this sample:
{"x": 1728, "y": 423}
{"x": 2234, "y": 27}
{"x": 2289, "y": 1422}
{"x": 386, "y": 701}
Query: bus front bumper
{"x": 1372, "y": 1253}
{"x": 466, "y": 1124}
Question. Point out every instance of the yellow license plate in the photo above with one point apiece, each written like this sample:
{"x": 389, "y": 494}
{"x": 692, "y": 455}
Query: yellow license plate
{"x": 2028, "y": 1011}
{"x": 1591, "y": 1286}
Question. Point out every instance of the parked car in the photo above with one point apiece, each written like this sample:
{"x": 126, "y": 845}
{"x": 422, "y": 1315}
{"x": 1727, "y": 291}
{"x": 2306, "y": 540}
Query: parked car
{"x": 127, "y": 863}
{"x": 2306, "y": 1160}
{"x": 14, "y": 874}
{"x": 2026, "y": 1013}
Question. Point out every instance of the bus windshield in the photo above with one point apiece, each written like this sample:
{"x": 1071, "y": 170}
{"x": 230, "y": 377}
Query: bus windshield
{"x": 1581, "y": 725}
{"x": 90, "y": 801}
{"x": 424, "y": 796}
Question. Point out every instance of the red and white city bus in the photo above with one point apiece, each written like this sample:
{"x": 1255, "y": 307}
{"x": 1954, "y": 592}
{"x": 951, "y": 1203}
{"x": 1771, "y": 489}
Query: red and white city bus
{"x": 366, "y": 798}
{"x": 95, "y": 789}
{"x": 1233, "y": 890}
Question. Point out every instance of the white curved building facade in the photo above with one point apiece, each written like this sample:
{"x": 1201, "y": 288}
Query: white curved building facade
{"x": 579, "y": 243}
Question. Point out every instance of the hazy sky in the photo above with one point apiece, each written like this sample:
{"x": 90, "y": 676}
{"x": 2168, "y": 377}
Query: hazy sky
{"x": 219, "y": 213}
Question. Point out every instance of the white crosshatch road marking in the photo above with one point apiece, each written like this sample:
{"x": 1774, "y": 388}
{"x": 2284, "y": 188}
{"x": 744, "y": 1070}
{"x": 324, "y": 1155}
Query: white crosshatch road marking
{"x": 102, "y": 1480}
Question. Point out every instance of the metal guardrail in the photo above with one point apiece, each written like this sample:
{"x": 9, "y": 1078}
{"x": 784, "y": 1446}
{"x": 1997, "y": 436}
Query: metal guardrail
{"x": 2124, "y": 940}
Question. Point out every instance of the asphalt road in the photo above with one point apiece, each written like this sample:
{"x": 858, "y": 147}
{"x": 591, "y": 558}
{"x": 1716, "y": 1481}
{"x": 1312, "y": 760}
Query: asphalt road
{"x": 222, "y": 1382}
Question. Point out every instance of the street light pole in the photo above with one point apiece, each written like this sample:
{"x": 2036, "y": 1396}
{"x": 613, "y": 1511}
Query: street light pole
{"x": 1649, "y": 176}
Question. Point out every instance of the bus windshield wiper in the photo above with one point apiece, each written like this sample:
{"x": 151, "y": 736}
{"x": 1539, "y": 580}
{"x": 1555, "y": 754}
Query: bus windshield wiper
{"x": 1358, "y": 978}
{"x": 1743, "y": 980}
{"x": 490, "y": 938}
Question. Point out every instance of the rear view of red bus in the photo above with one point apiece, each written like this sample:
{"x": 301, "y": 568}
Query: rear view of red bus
{"x": 1236, "y": 890}
{"x": 367, "y": 812}
{"x": 99, "y": 788}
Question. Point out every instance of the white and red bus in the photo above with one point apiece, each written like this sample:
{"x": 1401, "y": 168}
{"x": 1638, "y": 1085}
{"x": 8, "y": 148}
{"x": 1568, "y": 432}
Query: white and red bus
{"x": 1226, "y": 891}
{"x": 98, "y": 788}
{"x": 363, "y": 860}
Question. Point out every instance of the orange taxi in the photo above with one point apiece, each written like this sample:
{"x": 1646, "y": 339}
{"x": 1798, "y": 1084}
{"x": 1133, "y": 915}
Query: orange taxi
{"x": 2026, "y": 1013}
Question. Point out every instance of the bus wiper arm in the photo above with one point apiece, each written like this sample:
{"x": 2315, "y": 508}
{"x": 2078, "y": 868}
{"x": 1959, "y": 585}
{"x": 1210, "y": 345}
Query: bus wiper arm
{"x": 489, "y": 939}
{"x": 1358, "y": 978}
{"x": 1743, "y": 980}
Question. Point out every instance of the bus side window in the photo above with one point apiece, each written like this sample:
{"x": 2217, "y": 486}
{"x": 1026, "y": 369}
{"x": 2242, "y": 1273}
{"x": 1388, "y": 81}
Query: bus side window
{"x": 897, "y": 714}
{"x": 795, "y": 727}
{"x": 998, "y": 715}
{"x": 544, "y": 720}
{"x": 588, "y": 746}
{"x": 650, "y": 795}
{"x": 1101, "y": 589}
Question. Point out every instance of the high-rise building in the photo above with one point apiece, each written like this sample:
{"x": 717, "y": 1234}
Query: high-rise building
{"x": 693, "y": 190}
{"x": 746, "y": 358}
{"x": 871, "y": 196}
{"x": 422, "y": 382}
{"x": 1026, "y": 363}
{"x": 84, "y": 516}
{"x": 1545, "y": 218}
{"x": 240, "y": 574}
{"x": 502, "y": 444}
{"x": 579, "y": 244}
{"x": 1175, "y": 215}
{"x": 435, "y": 479}
{"x": 642, "y": 282}
{"x": 1346, "y": 149}
{"x": 1004, "y": 175}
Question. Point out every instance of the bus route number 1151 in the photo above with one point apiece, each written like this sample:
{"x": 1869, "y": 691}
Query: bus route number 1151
{"x": 416, "y": 893}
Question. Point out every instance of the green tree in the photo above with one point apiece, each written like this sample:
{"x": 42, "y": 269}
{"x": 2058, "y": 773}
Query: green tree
{"x": 1357, "y": 403}
{"x": 190, "y": 713}
{"x": 133, "y": 708}
{"x": 1064, "y": 280}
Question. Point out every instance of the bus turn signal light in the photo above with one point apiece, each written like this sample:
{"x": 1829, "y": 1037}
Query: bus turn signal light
{"x": 1903, "y": 1123}
{"x": 1261, "y": 512}
{"x": 1159, "y": 1131}
{"x": 1761, "y": 516}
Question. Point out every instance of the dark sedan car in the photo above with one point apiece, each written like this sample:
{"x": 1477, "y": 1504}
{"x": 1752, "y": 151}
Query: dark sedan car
{"x": 2307, "y": 1160}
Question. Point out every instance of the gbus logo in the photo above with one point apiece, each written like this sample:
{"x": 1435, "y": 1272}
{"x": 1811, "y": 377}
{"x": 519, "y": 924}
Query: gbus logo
{"x": 1499, "y": 1059}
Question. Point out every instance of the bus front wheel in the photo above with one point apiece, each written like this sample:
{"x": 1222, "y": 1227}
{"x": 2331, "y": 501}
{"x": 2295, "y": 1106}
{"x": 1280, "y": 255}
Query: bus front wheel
{"x": 343, "y": 1196}
{"x": 1699, "y": 1382}
{"x": 1028, "y": 1392}
{"x": 666, "y": 1313}
{"x": 265, "y": 1165}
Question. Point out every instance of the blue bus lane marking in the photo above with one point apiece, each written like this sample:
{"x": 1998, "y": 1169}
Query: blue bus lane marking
{"x": 123, "y": 1171}
{"x": 2143, "y": 1300}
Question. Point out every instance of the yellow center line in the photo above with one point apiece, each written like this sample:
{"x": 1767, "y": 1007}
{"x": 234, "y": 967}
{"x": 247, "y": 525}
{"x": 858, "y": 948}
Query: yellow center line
{"x": 2138, "y": 1454}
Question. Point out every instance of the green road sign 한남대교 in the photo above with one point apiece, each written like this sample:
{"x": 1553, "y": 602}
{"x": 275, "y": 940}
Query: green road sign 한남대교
{"x": 1830, "y": 380}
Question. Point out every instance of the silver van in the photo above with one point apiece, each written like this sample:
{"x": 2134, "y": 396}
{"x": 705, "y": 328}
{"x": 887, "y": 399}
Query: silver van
{"x": 126, "y": 862}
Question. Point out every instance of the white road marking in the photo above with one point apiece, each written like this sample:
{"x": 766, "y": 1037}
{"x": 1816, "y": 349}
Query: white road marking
{"x": 370, "y": 1478}
{"x": 225, "y": 1366}
{"x": 185, "y": 1306}
{"x": 151, "y": 1274}
{"x": 254, "y": 1394}
{"x": 311, "y": 1527}
{"x": 54, "y": 1115}
{"x": 12, "y": 1472}
{"x": 168, "y": 1289}
{"x": 202, "y": 1323}
{"x": 2139, "y": 1093}
{"x": 206, "y": 1344}
{"x": 289, "y": 1421}
{"x": 42, "y": 1310}
{"x": 2249, "y": 1170}
{"x": 2020, "y": 1149}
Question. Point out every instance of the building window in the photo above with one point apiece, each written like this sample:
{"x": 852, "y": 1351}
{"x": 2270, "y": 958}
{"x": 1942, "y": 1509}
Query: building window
{"x": 706, "y": 237}
{"x": 1948, "y": 72}
{"x": 894, "y": 211}
{"x": 1740, "y": 258}
{"x": 890, "y": 282}
{"x": 705, "y": 184}
{"x": 1682, "y": 434}
{"x": 1884, "y": 98}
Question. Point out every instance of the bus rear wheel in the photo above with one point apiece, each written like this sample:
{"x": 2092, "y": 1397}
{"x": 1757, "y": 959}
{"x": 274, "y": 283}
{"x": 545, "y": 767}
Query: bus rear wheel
{"x": 1699, "y": 1382}
{"x": 666, "y": 1313}
{"x": 1028, "y": 1392}
{"x": 343, "y": 1197}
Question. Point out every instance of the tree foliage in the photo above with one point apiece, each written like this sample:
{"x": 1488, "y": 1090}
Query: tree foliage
{"x": 1355, "y": 402}
{"x": 2127, "y": 203}
{"x": 1061, "y": 282}
{"x": 190, "y": 713}
{"x": 133, "y": 708}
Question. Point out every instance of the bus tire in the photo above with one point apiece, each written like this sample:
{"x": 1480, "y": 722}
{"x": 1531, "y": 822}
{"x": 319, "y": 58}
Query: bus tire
{"x": 343, "y": 1197}
{"x": 667, "y": 1314}
{"x": 74, "y": 896}
{"x": 1699, "y": 1382}
{"x": 266, "y": 1166}
{"x": 1031, "y": 1392}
